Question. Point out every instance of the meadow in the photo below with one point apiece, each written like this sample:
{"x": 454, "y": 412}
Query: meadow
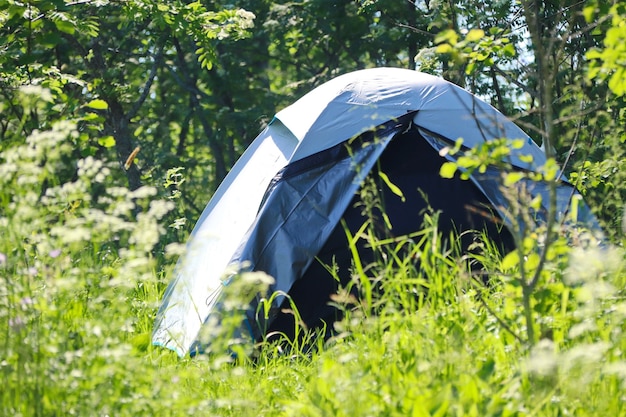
{"x": 83, "y": 267}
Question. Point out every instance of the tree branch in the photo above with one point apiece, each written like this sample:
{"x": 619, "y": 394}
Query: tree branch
{"x": 146, "y": 89}
{"x": 517, "y": 83}
{"x": 496, "y": 87}
{"x": 500, "y": 321}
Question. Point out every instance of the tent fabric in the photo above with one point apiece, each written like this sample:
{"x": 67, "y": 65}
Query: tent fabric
{"x": 315, "y": 199}
{"x": 216, "y": 236}
{"x": 282, "y": 201}
{"x": 412, "y": 165}
{"x": 359, "y": 101}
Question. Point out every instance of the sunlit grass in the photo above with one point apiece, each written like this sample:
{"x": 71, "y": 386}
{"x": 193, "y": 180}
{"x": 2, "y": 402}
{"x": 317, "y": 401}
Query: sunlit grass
{"x": 82, "y": 272}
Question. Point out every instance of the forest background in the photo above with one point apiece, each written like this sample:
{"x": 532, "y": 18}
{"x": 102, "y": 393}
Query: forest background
{"x": 118, "y": 119}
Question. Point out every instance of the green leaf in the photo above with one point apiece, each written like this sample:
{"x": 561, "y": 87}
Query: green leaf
{"x": 509, "y": 50}
{"x": 512, "y": 178}
{"x": 535, "y": 203}
{"x": 617, "y": 83}
{"x": 90, "y": 117}
{"x": 593, "y": 54}
{"x": 532, "y": 261}
{"x": 487, "y": 369}
{"x": 517, "y": 143}
{"x": 475, "y": 35}
{"x": 387, "y": 221}
{"x": 65, "y": 26}
{"x": 551, "y": 169}
{"x": 444, "y": 48}
{"x": 526, "y": 158}
{"x": 468, "y": 162}
{"x": 588, "y": 13}
{"x": 98, "y": 104}
{"x": 448, "y": 170}
{"x": 449, "y": 36}
{"x": 510, "y": 261}
{"x": 107, "y": 141}
{"x": 394, "y": 188}
{"x": 574, "y": 204}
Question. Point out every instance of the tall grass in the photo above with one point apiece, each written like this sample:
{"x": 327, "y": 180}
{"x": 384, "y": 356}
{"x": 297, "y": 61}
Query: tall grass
{"x": 83, "y": 265}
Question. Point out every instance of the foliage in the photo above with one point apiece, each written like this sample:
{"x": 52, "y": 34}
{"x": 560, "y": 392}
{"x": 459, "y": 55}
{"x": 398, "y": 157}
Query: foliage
{"x": 599, "y": 176}
{"x": 609, "y": 61}
{"x": 134, "y": 63}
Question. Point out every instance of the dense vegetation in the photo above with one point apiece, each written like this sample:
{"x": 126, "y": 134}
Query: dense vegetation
{"x": 118, "y": 119}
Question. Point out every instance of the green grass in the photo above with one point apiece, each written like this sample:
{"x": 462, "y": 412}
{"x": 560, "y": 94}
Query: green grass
{"x": 82, "y": 273}
{"x": 75, "y": 344}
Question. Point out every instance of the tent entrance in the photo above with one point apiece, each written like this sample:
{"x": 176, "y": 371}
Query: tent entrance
{"x": 412, "y": 165}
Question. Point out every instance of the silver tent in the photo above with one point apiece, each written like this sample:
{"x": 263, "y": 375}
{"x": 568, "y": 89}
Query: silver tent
{"x": 280, "y": 202}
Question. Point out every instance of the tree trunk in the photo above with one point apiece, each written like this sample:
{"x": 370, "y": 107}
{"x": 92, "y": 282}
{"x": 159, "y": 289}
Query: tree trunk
{"x": 117, "y": 126}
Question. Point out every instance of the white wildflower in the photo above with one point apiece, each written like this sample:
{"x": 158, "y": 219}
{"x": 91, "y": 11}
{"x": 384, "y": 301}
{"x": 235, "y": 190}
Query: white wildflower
{"x": 69, "y": 234}
{"x": 35, "y": 92}
{"x": 159, "y": 208}
{"x": 144, "y": 192}
{"x": 593, "y": 263}
{"x": 118, "y": 191}
{"x": 257, "y": 279}
{"x": 581, "y": 329}
{"x": 122, "y": 208}
{"x": 543, "y": 359}
{"x": 89, "y": 167}
{"x": 146, "y": 234}
{"x": 616, "y": 368}
{"x": 175, "y": 249}
{"x": 585, "y": 355}
{"x": 245, "y": 15}
{"x": 102, "y": 175}
{"x": 7, "y": 170}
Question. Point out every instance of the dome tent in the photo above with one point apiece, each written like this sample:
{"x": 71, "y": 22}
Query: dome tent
{"x": 281, "y": 204}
